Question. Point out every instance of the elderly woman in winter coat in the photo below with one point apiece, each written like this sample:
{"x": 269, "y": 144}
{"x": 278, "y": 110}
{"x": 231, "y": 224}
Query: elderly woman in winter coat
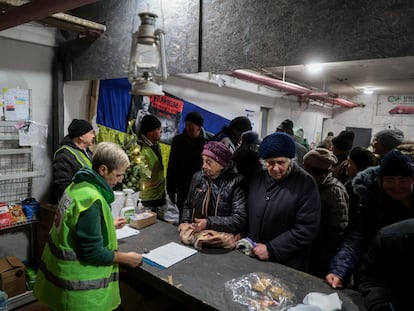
{"x": 216, "y": 199}
{"x": 283, "y": 206}
{"x": 386, "y": 196}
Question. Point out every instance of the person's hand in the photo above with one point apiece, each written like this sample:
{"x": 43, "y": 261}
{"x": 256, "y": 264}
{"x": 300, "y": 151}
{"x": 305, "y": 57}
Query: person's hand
{"x": 119, "y": 222}
{"x": 183, "y": 226}
{"x": 199, "y": 224}
{"x": 131, "y": 259}
{"x": 334, "y": 280}
{"x": 261, "y": 252}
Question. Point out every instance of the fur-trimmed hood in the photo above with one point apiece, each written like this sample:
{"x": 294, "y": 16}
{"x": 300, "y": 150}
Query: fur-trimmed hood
{"x": 364, "y": 180}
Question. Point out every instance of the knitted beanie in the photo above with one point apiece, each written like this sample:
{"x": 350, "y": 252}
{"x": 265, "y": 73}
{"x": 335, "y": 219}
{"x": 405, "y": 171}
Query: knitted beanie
{"x": 395, "y": 163}
{"x": 195, "y": 117}
{"x": 344, "y": 140}
{"x": 320, "y": 158}
{"x": 286, "y": 126}
{"x": 241, "y": 124}
{"x": 278, "y": 144}
{"x": 390, "y": 138}
{"x": 78, "y": 128}
{"x": 218, "y": 151}
{"x": 362, "y": 158}
{"x": 149, "y": 123}
{"x": 250, "y": 138}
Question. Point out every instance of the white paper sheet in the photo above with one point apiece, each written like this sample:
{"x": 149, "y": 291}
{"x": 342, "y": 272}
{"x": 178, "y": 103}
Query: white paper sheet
{"x": 125, "y": 232}
{"x": 169, "y": 254}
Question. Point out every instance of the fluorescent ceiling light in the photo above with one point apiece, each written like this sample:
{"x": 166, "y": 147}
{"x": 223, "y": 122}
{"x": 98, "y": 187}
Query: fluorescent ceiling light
{"x": 314, "y": 67}
{"x": 368, "y": 91}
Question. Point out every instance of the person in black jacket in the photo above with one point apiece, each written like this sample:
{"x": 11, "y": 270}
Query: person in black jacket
{"x": 185, "y": 158}
{"x": 72, "y": 154}
{"x": 216, "y": 199}
{"x": 387, "y": 269}
{"x": 386, "y": 196}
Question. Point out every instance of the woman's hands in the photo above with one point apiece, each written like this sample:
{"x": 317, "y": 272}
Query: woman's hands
{"x": 131, "y": 259}
{"x": 119, "y": 222}
{"x": 334, "y": 280}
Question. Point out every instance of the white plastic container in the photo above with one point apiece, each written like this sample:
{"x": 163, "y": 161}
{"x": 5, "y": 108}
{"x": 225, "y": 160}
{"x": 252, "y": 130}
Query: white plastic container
{"x": 129, "y": 208}
{"x": 118, "y": 203}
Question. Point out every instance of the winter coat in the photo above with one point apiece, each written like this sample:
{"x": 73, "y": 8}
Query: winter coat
{"x": 64, "y": 167}
{"x": 247, "y": 161}
{"x": 184, "y": 161}
{"x": 387, "y": 269}
{"x": 285, "y": 215}
{"x": 374, "y": 211}
{"x": 226, "y": 210}
{"x": 334, "y": 220}
{"x": 226, "y": 136}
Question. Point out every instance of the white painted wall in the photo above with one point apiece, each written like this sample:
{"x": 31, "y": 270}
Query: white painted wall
{"x": 237, "y": 96}
{"x": 28, "y": 65}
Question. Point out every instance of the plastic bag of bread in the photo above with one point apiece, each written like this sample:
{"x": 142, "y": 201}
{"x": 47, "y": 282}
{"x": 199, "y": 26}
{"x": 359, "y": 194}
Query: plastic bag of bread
{"x": 258, "y": 291}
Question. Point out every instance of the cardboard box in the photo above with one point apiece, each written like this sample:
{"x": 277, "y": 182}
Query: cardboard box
{"x": 143, "y": 220}
{"x": 12, "y": 276}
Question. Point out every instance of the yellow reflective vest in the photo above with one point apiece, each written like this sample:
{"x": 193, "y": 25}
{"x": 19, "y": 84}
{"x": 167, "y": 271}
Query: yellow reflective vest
{"x": 63, "y": 282}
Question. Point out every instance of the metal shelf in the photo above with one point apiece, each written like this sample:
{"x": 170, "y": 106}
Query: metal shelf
{"x": 15, "y": 151}
{"x": 21, "y": 175}
{"x": 20, "y": 300}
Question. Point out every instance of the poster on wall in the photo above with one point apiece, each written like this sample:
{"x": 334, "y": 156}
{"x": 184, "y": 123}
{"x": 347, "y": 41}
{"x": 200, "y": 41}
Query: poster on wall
{"x": 16, "y": 104}
{"x": 166, "y": 108}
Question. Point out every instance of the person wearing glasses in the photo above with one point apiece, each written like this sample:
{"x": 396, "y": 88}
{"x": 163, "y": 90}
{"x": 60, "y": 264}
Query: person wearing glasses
{"x": 283, "y": 206}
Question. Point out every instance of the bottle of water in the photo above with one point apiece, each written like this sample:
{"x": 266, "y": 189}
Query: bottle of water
{"x": 3, "y": 301}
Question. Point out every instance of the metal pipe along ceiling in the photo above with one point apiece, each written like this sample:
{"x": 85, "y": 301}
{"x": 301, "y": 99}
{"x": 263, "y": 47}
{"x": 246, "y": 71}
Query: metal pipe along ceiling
{"x": 36, "y": 10}
{"x": 291, "y": 88}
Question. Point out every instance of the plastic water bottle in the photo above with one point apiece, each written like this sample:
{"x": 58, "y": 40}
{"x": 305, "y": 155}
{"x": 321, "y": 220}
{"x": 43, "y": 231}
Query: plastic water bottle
{"x": 128, "y": 210}
{"x": 3, "y": 301}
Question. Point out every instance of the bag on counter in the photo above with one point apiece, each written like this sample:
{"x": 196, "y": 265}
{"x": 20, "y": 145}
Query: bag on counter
{"x": 208, "y": 238}
{"x": 258, "y": 291}
{"x": 168, "y": 212}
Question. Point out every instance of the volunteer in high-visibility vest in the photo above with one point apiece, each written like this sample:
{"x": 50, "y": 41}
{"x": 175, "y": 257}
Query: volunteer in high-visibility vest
{"x": 78, "y": 269}
{"x": 72, "y": 154}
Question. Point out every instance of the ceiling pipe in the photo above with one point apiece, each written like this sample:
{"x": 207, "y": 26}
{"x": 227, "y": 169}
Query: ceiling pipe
{"x": 291, "y": 88}
{"x": 37, "y": 10}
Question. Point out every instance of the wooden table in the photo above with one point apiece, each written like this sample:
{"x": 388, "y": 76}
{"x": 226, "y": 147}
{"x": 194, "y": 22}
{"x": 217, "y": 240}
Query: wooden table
{"x": 198, "y": 281}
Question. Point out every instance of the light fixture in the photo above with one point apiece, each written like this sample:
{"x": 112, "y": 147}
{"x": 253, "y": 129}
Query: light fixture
{"x": 147, "y": 64}
{"x": 314, "y": 67}
{"x": 368, "y": 91}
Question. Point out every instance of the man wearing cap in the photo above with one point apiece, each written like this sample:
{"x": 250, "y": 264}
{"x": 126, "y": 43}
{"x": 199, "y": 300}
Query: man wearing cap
{"x": 231, "y": 135}
{"x": 72, "y": 154}
{"x": 185, "y": 157}
{"x": 216, "y": 199}
{"x": 341, "y": 146}
{"x": 283, "y": 206}
{"x": 386, "y": 140}
{"x": 334, "y": 208}
{"x": 152, "y": 193}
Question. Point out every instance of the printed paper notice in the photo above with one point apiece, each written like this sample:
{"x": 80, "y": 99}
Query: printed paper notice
{"x": 169, "y": 254}
{"x": 16, "y": 104}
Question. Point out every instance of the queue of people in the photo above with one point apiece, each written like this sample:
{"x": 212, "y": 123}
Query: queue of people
{"x": 315, "y": 210}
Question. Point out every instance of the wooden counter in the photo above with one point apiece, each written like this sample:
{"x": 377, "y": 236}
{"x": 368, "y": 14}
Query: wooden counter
{"x": 198, "y": 281}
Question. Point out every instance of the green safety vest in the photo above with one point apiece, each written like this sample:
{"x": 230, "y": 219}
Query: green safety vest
{"x": 81, "y": 157}
{"x": 63, "y": 282}
{"x": 153, "y": 187}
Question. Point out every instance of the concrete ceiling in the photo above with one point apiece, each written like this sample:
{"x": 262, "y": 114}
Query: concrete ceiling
{"x": 383, "y": 76}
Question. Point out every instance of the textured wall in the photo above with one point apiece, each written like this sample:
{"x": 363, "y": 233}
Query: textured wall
{"x": 249, "y": 33}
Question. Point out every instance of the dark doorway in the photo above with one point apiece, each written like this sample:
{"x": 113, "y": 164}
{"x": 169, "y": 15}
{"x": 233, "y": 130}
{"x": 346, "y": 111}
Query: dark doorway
{"x": 362, "y": 136}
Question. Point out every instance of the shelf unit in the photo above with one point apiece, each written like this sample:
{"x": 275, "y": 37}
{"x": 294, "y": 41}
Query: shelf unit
{"x": 16, "y": 173}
